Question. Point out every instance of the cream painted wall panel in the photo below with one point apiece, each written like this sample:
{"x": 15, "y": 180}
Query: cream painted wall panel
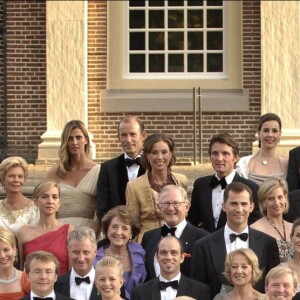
{"x": 281, "y": 60}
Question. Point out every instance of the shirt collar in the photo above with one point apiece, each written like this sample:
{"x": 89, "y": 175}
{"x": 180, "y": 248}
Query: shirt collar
{"x": 229, "y": 177}
{"x": 177, "y": 277}
{"x": 179, "y": 228}
{"x": 228, "y": 231}
{"x": 52, "y": 294}
{"x": 127, "y": 156}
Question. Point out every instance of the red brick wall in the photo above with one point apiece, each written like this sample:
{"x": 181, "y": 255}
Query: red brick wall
{"x": 179, "y": 125}
{"x": 26, "y": 76}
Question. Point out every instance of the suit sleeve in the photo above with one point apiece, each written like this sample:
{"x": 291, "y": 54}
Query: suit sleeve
{"x": 255, "y": 214}
{"x": 198, "y": 269}
{"x": 133, "y": 295}
{"x": 293, "y": 171}
{"x": 194, "y": 212}
{"x": 103, "y": 194}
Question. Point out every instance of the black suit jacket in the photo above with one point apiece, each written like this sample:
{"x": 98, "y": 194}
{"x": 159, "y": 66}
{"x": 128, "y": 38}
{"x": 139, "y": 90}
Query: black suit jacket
{"x": 187, "y": 287}
{"x": 294, "y": 209}
{"x": 62, "y": 285}
{"x": 111, "y": 184}
{"x": 151, "y": 239}
{"x": 57, "y": 295}
{"x": 293, "y": 175}
{"x": 201, "y": 212}
{"x": 210, "y": 252}
{"x": 297, "y": 296}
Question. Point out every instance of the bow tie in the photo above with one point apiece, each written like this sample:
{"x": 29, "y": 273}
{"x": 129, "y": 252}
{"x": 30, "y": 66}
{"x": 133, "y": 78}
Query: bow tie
{"x": 78, "y": 280}
{"x": 215, "y": 182}
{"x": 165, "y": 230}
{"x": 242, "y": 236}
{"x": 38, "y": 298}
{"x": 163, "y": 285}
{"x": 129, "y": 162}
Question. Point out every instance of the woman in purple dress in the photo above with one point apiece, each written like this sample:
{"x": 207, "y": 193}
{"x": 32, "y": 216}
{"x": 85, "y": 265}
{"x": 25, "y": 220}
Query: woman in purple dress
{"x": 120, "y": 227}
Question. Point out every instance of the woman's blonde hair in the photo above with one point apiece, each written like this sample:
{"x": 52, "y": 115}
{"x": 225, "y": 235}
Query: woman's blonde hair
{"x": 43, "y": 186}
{"x": 63, "y": 153}
{"x": 108, "y": 261}
{"x": 12, "y": 162}
{"x": 252, "y": 259}
{"x": 267, "y": 187}
{"x": 6, "y": 236}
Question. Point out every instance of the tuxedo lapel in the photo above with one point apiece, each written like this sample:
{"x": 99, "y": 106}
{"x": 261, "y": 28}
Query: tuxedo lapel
{"x": 207, "y": 206}
{"x": 218, "y": 252}
{"x": 154, "y": 242}
{"x": 155, "y": 295}
{"x": 122, "y": 178}
{"x": 187, "y": 238}
{"x": 94, "y": 294}
{"x": 256, "y": 244}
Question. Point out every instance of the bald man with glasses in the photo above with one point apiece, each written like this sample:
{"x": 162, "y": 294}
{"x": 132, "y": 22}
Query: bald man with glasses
{"x": 174, "y": 206}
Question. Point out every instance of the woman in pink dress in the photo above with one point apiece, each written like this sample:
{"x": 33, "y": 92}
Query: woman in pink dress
{"x": 48, "y": 234}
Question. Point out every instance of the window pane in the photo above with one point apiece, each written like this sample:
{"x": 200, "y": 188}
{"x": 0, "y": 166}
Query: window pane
{"x": 175, "y": 3}
{"x": 133, "y": 3}
{"x": 175, "y": 19}
{"x": 137, "y": 63}
{"x": 214, "y": 3}
{"x": 214, "y": 63}
{"x": 195, "y": 63}
{"x": 175, "y": 63}
{"x": 195, "y": 40}
{"x": 215, "y": 40}
{"x": 214, "y": 18}
{"x": 156, "y": 41}
{"x": 195, "y": 19}
{"x": 156, "y": 19}
{"x": 175, "y": 40}
{"x": 137, "y": 41}
{"x": 195, "y": 3}
{"x": 156, "y": 3}
{"x": 156, "y": 63}
{"x": 137, "y": 19}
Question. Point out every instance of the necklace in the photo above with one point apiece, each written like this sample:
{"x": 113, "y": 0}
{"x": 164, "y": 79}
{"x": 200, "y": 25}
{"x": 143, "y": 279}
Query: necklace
{"x": 13, "y": 279}
{"x": 117, "y": 257}
{"x": 158, "y": 187}
{"x": 283, "y": 237}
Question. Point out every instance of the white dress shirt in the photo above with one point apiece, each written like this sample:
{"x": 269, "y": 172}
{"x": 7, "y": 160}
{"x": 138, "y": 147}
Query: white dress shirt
{"x": 82, "y": 291}
{"x": 52, "y": 294}
{"x": 238, "y": 243}
{"x": 217, "y": 197}
{"x": 179, "y": 229}
{"x": 169, "y": 293}
{"x": 133, "y": 170}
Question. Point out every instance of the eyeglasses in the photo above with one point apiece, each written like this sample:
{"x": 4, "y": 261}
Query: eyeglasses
{"x": 175, "y": 204}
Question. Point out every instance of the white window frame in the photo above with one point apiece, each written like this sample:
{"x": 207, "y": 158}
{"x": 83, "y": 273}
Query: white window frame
{"x": 174, "y": 75}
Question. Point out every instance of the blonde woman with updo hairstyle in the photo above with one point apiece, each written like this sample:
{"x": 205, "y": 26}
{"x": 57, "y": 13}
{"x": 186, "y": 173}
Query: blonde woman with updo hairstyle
{"x": 242, "y": 271}
{"x": 48, "y": 233}
{"x": 109, "y": 278}
{"x": 273, "y": 204}
{"x": 16, "y": 210}
{"x": 13, "y": 283}
{"x": 77, "y": 175}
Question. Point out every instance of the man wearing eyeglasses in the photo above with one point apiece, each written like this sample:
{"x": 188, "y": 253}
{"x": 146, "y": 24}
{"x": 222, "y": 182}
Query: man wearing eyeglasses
{"x": 174, "y": 206}
{"x": 41, "y": 268}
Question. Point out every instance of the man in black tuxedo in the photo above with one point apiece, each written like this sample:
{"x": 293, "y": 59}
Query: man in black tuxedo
{"x": 207, "y": 196}
{"x": 294, "y": 206}
{"x": 41, "y": 268}
{"x": 174, "y": 206}
{"x": 293, "y": 175}
{"x": 209, "y": 253}
{"x": 116, "y": 172}
{"x": 79, "y": 282}
{"x": 170, "y": 283}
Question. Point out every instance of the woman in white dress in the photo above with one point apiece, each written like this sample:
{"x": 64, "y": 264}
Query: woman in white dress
{"x": 77, "y": 176}
{"x": 16, "y": 210}
{"x": 266, "y": 162}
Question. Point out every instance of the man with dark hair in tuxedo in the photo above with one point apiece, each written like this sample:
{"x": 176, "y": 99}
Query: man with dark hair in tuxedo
{"x": 170, "y": 283}
{"x": 210, "y": 252}
{"x": 207, "y": 196}
{"x": 78, "y": 283}
{"x": 174, "y": 206}
{"x": 116, "y": 172}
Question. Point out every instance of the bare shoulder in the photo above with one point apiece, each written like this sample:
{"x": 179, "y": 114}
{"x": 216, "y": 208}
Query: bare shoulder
{"x": 52, "y": 173}
{"x": 91, "y": 163}
{"x": 25, "y": 231}
{"x": 258, "y": 225}
{"x": 284, "y": 161}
